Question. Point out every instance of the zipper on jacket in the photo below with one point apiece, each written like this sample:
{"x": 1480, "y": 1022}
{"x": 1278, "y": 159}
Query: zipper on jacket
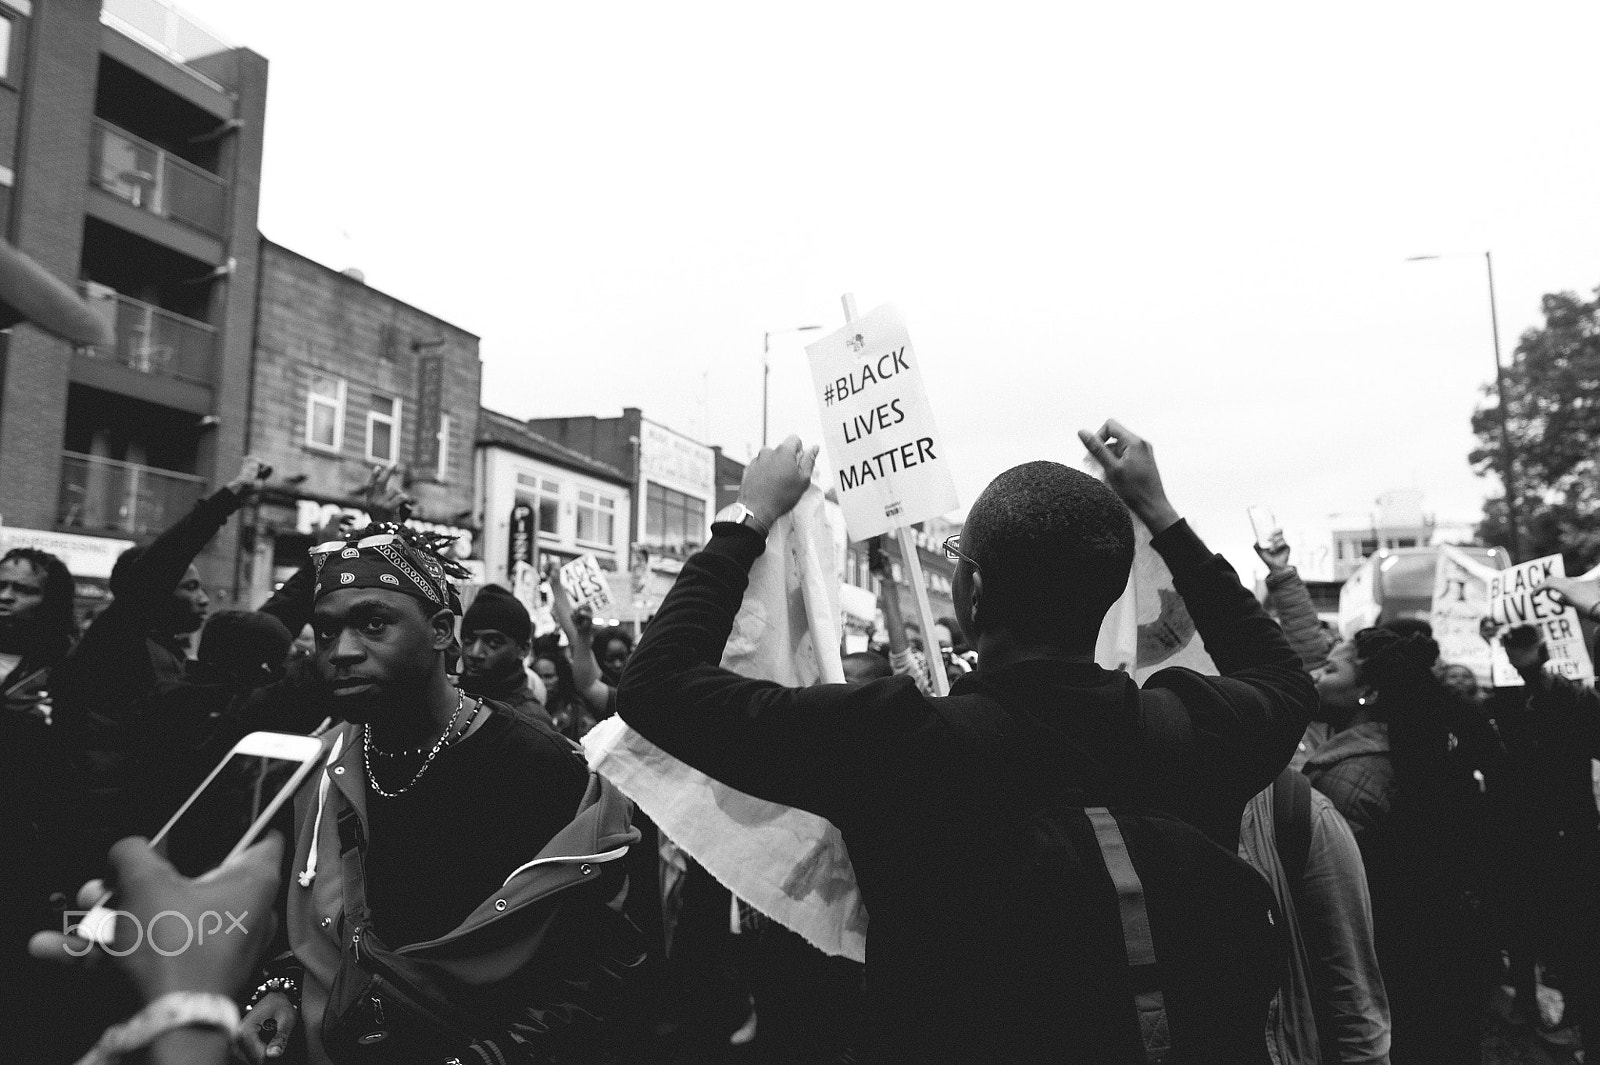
{"x": 355, "y": 944}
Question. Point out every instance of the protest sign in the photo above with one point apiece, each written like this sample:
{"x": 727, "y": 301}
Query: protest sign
{"x": 1460, "y": 605}
{"x": 1517, "y": 596}
{"x": 585, "y": 583}
{"x": 888, "y": 457}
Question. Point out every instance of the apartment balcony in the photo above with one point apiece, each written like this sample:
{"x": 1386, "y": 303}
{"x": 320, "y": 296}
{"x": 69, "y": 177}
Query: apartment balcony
{"x": 107, "y": 496}
{"x": 152, "y": 340}
{"x": 168, "y": 31}
{"x": 154, "y": 180}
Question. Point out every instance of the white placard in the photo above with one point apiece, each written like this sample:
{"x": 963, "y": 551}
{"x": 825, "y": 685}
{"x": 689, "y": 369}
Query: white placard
{"x": 888, "y": 459}
{"x": 1516, "y": 597}
{"x": 586, "y": 583}
{"x": 1460, "y": 604}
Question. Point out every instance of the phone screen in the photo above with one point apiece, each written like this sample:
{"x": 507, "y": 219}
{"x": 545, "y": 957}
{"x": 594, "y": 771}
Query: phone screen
{"x": 206, "y": 830}
{"x": 1263, "y": 524}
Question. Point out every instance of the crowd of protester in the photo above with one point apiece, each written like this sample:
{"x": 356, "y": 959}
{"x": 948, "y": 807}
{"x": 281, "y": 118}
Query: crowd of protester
{"x": 1341, "y": 849}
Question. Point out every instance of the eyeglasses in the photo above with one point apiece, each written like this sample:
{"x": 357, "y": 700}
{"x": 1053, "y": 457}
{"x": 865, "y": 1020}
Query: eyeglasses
{"x": 952, "y": 550}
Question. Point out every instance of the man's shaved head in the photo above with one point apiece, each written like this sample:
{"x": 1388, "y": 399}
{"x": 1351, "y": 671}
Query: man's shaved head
{"x": 1053, "y": 548}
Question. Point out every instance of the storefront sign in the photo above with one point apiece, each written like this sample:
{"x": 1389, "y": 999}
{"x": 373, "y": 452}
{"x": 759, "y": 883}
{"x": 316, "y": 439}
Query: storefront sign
{"x": 677, "y": 462}
{"x": 84, "y": 556}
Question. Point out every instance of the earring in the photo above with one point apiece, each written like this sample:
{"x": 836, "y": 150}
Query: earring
{"x": 1362, "y": 700}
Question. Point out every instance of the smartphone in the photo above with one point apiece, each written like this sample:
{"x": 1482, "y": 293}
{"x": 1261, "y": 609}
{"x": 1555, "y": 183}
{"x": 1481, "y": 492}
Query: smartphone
{"x": 225, "y": 815}
{"x": 1263, "y": 524}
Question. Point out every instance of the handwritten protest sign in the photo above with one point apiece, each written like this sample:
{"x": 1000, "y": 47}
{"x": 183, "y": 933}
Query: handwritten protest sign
{"x": 1460, "y": 605}
{"x": 887, "y": 454}
{"x": 585, "y": 583}
{"x": 1517, "y": 596}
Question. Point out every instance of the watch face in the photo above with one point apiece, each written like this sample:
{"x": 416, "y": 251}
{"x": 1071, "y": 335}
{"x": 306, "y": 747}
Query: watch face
{"x": 734, "y": 512}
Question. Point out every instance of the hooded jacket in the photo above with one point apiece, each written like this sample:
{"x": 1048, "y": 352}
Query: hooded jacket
{"x": 553, "y": 932}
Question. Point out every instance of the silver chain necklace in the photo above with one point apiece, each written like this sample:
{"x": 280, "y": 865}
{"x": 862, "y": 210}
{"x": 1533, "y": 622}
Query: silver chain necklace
{"x": 367, "y": 748}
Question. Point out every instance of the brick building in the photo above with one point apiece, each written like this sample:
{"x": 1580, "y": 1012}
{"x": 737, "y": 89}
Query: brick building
{"x": 130, "y": 158}
{"x": 673, "y": 494}
{"x": 348, "y": 378}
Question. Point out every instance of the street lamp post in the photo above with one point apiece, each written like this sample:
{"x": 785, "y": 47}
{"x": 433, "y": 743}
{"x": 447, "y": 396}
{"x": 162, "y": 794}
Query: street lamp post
{"x": 1508, "y": 466}
{"x": 766, "y": 369}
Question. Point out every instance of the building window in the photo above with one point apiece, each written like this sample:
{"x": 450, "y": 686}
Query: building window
{"x": 597, "y": 517}
{"x": 383, "y": 429}
{"x": 325, "y": 412}
{"x": 7, "y": 34}
{"x": 441, "y": 471}
{"x": 544, "y": 495}
{"x": 672, "y": 519}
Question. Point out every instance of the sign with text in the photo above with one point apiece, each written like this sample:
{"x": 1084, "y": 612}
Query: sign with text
{"x": 1517, "y": 597}
{"x": 1460, "y": 605}
{"x": 585, "y": 583}
{"x": 888, "y": 457}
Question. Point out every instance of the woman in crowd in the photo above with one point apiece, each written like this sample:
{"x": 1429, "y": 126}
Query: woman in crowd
{"x": 1393, "y": 767}
{"x": 568, "y": 710}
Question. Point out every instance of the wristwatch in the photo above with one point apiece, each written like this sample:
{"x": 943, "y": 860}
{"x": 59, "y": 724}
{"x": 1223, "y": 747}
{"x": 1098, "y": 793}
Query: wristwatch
{"x": 739, "y": 514}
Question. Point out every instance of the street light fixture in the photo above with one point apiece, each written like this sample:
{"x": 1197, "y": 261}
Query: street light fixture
{"x": 1508, "y": 457}
{"x": 766, "y": 369}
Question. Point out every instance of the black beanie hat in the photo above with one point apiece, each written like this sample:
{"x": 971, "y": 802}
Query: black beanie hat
{"x": 497, "y": 609}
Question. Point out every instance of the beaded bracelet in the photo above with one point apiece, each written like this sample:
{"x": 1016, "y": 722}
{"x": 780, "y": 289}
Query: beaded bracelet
{"x": 283, "y": 985}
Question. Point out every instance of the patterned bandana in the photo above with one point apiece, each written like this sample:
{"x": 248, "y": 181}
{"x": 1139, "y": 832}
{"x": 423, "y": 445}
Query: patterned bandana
{"x": 383, "y": 561}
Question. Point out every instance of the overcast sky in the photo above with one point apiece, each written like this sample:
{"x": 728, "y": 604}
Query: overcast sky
{"x": 1189, "y": 217}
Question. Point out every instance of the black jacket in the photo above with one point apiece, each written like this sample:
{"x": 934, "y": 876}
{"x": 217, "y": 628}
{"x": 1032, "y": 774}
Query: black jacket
{"x": 930, "y": 794}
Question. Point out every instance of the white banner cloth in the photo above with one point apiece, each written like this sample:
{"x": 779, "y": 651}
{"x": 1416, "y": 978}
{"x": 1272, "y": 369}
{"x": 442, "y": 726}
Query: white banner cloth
{"x": 790, "y": 865}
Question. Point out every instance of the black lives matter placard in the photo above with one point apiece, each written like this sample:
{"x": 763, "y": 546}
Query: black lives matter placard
{"x": 887, "y": 456}
{"x": 1517, "y": 596}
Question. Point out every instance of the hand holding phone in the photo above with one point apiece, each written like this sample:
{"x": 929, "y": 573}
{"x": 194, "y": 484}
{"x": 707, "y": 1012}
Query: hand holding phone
{"x": 180, "y": 933}
{"x": 224, "y": 816}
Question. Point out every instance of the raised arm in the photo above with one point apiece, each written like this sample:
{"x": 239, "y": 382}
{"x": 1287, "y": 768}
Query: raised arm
{"x": 579, "y": 629}
{"x": 799, "y": 747}
{"x": 1246, "y": 722}
{"x": 158, "y": 569}
{"x": 1288, "y": 595}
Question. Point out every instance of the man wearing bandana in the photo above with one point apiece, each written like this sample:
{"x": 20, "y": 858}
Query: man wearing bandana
{"x": 472, "y": 843}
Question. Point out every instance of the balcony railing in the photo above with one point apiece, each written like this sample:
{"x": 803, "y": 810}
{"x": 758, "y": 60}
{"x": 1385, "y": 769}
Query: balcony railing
{"x": 109, "y": 496}
{"x": 156, "y": 180}
{"x": 165, "y": 30}
{"x": 153, "y": 340}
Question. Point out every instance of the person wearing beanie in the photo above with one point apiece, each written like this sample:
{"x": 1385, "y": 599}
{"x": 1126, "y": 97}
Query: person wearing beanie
{"x": 496, "y": 639}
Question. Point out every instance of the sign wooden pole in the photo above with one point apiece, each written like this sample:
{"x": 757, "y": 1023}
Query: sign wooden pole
{"x": 913, "y": 564}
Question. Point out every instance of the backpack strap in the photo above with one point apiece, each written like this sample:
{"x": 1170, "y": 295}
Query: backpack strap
{"x": 1137, "y": 942}
{"x": 1291, "y": 823}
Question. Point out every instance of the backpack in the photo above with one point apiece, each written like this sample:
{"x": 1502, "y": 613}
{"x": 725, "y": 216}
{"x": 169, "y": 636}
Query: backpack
{"x": 1172, "y": 945}
{"x": 1291, "y": 824}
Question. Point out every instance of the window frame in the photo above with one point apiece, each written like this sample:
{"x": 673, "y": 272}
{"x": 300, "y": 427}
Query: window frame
{"x": 391, "y": 419}
{"x": 339, "y": 403}
{"x": 676, "y": 510}
{"x": 598, "y": 505}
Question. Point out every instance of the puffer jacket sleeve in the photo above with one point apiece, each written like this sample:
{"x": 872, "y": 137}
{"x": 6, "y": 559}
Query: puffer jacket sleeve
{"x": 1291, "y": 601}
{"x": 1358, "y": 788}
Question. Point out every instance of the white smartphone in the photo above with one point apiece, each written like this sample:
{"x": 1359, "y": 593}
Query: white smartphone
{"x": 249, "y": 786}
{"x": 1263, "y": 524}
